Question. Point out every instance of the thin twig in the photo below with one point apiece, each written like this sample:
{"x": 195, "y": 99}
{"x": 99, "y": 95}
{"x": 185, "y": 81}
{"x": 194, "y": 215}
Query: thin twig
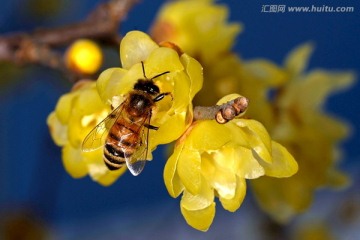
{"x": 222, "y": 113}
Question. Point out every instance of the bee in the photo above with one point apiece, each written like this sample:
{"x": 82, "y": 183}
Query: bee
{"x": 124, "y": 132}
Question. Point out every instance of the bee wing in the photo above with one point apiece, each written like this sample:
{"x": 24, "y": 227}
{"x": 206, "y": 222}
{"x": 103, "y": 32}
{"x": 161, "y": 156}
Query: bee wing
{"x": 136, "y": 162}
{"x": 96, "y": 138}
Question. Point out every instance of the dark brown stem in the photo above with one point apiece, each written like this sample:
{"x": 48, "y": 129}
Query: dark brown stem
{"x": 222, "y": 113}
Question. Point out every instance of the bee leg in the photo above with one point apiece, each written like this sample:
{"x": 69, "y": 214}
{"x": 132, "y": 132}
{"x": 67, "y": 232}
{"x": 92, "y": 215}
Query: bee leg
{"x": 151, "y": 127}
{"x": 161, "y": 96}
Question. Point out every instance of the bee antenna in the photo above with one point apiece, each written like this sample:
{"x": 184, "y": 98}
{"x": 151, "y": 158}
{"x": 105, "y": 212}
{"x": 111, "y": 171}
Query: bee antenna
{"x": 143, "y": 69}
{"x": 160, "y": 75}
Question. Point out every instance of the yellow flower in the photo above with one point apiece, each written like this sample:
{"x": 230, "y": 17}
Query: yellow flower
{"x": 198, "y": 27}
{"x": 255, "y": 78}
{"x": 84, "y": 56}
{"x": 173, "y": 114}
{"x": 286, "y": 100}
{"x": 76, "y": 113}
{"x": 310, "y": 134}
{"x": 213, "y": 159}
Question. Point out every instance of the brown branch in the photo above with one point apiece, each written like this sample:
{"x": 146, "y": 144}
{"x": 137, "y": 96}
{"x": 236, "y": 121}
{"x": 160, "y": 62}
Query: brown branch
{"x": 37, "y": 47}
{"x": 222, "y": 113}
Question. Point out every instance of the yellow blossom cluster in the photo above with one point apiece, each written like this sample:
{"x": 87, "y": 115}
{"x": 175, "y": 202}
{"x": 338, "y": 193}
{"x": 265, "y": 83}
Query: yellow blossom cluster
{"x": 287, "y": 100}
{"x": 79, "y": 111}
{"x": 285, "y": 117}
{"x": 209, "y": 159}
{"x": 213, "y": 159}
{"x": 76, "y": 113}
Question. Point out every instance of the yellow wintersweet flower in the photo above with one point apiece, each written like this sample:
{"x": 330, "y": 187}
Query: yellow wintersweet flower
{"x": 172, "y": 114}
{"x": 213, "y": 159}
{"x": 199, "y": 27}
{"x": 308, "y": 132}
{"x": 286, "y": 100}
{"x": 76, "y": 113}
{"x": 84, "y": 56}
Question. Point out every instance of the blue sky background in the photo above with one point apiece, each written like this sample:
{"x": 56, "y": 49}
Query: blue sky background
{"x": 31, "y": 171}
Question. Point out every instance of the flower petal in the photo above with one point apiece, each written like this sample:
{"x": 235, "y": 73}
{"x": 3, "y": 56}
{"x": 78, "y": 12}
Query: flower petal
{"x": 247, "y": 166}
{"x": 283, "y": 165}
{"x": 73, "y": 161}
{"x": 171, "y": 129}
{"x": 194, "y": 71}
{"x": 135, "y": 47}
{"x": 234, "y": 203}
{"x": 201, "y": 200}
{"x": 162, "y": 59}
{"x": 109, "y": 84}
{"x": 208, "y": 135}
{"x": 199, "y": 219}
{"x": 257, "y": 137}
{"x": 57, "y": 130}
{"x": 297, "y": 61}
{"x": 171, "y": 178}
{"x": 63, "y": 107}
{"x": 266, "y": 72}
{"x": 220, "y": 176}
{"x": 188, "y": 168}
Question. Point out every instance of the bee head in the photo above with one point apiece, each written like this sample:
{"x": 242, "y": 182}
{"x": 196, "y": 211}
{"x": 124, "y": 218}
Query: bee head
{"x": 147, "y": 86}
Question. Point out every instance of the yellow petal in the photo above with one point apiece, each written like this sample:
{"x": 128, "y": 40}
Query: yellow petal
{"x": 181, "y": 92}
{"x": 88, "y": 102}
{"x": 218, "y": 174}
{"x": 64, "y": 107}
{"x": 257, "y": 137}
{"x": 135, "y": 47}
{"x": 201, "y": 200}
{"x": 75, "y": 131}
{"x": 234, "y": 203}
{"x": 169, "y": 131}
{"x": 171, "y": 178}
{"x": 194, "y": 71}
{"x": 266, "y": 72}
{"x": 224, "y": 183}
{"x": 109, "y": 178}
{"x": 188, "y": 168}
{"x": 246, "y": 165}
{"x": 297, "y": 60}
{"x": 208, "y": 135}
{"x": 283, "y": 165}
{"x": 161, "y": 60}
{"x": 73, "y": 161}
{"x": 318, "y": 85}
{"x": 199, "y": 219}
{"x": 57, "y": 130}
{"x": 110, "y": 84}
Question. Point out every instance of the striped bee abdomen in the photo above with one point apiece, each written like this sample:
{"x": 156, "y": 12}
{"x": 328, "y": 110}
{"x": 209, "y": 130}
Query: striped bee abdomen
{"x": 122, "y": 141}
{"x": 113, "y": 159}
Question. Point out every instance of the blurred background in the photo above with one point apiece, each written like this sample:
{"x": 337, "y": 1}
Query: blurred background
{"x": 39, "y": 198}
